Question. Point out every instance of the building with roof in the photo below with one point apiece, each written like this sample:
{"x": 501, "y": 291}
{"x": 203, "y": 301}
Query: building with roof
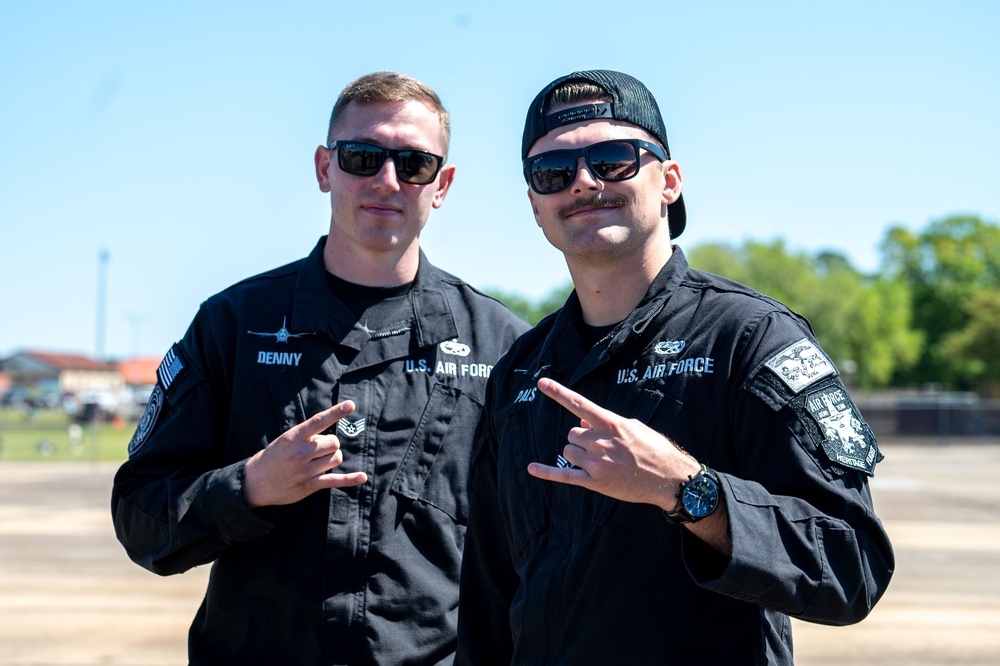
{"x": 47, "y": 378}
{"x": 45, "y": 373}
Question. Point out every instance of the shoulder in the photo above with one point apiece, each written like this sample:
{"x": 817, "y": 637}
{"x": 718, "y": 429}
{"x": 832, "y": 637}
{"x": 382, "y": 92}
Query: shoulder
{"x": 261, "y": 285}
{"x": 453, "y": 283}
{"x": 730, "y": 300}
{"x": 479, "y": 304}
{"x": 527, "y": 349}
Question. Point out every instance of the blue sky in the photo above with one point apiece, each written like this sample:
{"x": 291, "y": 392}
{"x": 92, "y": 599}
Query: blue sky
{"x": 178, "y": 136}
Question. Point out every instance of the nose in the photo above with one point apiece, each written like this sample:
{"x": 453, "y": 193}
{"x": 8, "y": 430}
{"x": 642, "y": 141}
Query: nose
{"x": 386, "y": 179}
{"x": 584, "y": 178}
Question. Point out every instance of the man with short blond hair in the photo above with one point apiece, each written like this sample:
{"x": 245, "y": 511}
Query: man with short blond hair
{"x": 310, "y": 435}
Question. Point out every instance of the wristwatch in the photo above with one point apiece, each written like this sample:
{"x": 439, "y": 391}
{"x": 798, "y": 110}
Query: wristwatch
{"x": 698, "y": 497}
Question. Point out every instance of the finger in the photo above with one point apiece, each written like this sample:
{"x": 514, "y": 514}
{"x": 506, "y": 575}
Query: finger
{"x": 323, "y": 420}
{"x": 576, "y": 454}
{"x": 573, "y": 477}
{"x": 584, "y": 440}
{"x": 332, "y": 480}
{"x": 325, "y": 463}
{"x": 325, "y": 444}
{"x": 573, "y": 401}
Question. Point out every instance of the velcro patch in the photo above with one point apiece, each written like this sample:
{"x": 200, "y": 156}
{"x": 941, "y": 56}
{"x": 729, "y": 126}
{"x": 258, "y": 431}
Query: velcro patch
{"x": 169, "y": 369}
{"x": 847, "y": 439}
{"x": 801, "y": 364}
{"x": 349, "y": 428}
{"x": 147, "y": 421}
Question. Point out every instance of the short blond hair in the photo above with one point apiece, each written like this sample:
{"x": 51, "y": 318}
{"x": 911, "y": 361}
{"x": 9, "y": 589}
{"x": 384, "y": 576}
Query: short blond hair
{"x": 389, "y": 87}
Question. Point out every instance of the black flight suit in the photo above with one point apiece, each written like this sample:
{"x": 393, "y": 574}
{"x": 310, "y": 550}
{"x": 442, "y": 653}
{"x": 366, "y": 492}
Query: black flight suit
{"x": 557, "y": 574}
{"x": 364, "y": 575}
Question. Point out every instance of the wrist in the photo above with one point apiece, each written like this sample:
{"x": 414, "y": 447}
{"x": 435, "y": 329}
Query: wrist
{"x": 688, "y": 469}
{"x": 697, "y": 497}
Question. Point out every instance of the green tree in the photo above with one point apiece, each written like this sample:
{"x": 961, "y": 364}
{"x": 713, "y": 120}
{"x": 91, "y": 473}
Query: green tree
{"x": 863, "y": 323}
{"x": 977, "y": 346}
{"x": 529, "y": 311}
{"x": 947, "y": 267}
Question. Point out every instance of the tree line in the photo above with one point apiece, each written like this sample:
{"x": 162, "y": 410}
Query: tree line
{"x": 930, "y": 314}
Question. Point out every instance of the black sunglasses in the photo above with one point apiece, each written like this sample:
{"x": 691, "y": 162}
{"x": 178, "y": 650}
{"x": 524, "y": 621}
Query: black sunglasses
{"x": 612, "y": 161}
{"x": 358, "y": 158}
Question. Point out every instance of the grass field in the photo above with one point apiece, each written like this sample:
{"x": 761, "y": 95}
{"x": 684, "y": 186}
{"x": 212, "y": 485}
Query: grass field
{"x": 50, "y": 434}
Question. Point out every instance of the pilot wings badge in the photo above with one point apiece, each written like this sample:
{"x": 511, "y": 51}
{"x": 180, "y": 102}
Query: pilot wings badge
{"x": 282, "y": 334}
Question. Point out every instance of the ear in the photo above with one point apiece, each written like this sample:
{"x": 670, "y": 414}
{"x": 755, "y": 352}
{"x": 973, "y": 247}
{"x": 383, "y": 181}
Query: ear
{"x": 672, "y": 182}
{"x": 322, "y": 160}
{"x": 444, "y": 181}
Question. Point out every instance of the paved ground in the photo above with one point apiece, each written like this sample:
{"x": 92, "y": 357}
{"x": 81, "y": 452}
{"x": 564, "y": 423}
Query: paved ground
{"x": 68, "y": 594}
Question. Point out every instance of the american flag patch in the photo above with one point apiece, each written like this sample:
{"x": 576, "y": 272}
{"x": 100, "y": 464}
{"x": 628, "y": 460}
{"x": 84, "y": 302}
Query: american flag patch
{"x": 564, "y": 464}
{"x": 169, "y": 369}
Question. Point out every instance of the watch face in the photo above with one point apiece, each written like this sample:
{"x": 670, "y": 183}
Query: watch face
{"x": 701, "y": 496}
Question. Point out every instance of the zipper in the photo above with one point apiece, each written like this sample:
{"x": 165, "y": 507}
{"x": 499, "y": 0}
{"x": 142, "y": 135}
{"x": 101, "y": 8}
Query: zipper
{"x": 389, "y": 333}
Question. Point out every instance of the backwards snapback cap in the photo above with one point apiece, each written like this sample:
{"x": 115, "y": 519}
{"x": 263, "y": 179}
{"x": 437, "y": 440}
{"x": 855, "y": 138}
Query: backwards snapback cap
{"x": 631, "y": 103}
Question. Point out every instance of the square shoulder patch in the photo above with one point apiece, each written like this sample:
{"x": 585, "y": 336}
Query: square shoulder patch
{"x": 847, "y": 439}
{"x": 170, "y": 367}
{"x": 801, "y": 364}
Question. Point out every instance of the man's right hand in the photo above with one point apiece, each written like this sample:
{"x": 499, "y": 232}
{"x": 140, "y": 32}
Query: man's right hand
{"x": 299, "y": 462}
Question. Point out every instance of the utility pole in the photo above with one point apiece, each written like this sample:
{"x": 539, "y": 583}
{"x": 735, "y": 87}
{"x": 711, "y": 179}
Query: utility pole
{"x": 102, "y": 302}
{"x": 136, "y": 320}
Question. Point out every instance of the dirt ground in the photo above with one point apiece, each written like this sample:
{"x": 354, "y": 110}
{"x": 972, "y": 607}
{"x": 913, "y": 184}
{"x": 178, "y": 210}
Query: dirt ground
{"x": 68, "y": 594}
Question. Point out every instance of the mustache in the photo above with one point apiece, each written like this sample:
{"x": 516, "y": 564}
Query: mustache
{"x": 596, "y": 201}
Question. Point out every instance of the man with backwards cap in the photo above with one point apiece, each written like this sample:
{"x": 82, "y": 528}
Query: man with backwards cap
{"x": 669, "y": 467}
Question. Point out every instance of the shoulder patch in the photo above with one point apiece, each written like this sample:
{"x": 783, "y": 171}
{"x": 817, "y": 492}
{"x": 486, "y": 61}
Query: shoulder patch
{"x": 148, "y": 420}
{"x": 847, "y": 439}
{"x": 801, "y": 364}
{"x": 169, "y": 369}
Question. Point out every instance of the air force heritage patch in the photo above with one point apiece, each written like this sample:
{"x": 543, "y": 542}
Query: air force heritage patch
{"x": 847, "y": 439}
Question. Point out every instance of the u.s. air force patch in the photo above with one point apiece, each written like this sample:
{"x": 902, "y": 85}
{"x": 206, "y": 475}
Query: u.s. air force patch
{"x": 147, "y": 421}
{"x": 847, "y": 439}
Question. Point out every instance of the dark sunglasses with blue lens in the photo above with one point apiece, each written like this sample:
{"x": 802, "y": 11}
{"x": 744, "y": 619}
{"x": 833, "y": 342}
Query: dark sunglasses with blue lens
{"x": 359, "y": 158}
{"x": 611, "y": 161}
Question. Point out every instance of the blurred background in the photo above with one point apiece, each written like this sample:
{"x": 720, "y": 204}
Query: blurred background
{"x": 841, "y": 158}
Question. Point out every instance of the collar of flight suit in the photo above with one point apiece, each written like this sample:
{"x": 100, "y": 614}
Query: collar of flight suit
{"x": 628, "y": 330}
{"x": 317, "y": 309}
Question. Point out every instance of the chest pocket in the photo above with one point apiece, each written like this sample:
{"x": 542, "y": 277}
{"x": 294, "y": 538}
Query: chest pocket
{"x": 523, "y": 498}
{"x": 434, "y": 468}
{"x": 687, "y": 428}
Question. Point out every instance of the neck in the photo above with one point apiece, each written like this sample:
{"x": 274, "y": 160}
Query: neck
{"x": 609, "y": 292}
{"x": 369, "y": 268}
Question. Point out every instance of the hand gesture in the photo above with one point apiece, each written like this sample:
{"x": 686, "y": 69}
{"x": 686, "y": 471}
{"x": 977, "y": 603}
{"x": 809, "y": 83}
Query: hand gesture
{"x": 299, "y": 462}
{"x": 618, "y": 457}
